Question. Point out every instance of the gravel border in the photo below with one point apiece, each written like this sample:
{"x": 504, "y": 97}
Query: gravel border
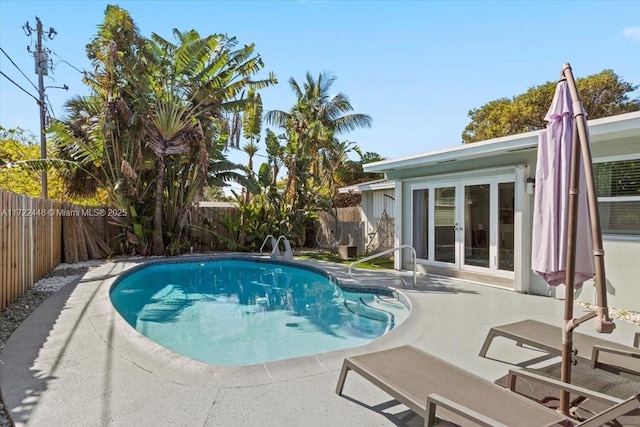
{"x": 64, "y": 274}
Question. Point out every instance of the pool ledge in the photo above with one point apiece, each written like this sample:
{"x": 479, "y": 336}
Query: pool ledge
{"x": 74, "y": 361}
{"x": 137, "y": 349}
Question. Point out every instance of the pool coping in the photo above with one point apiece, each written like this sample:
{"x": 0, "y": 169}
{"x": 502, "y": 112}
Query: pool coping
{"x": 148, "y": 355}
{"x": 75, "y": 362}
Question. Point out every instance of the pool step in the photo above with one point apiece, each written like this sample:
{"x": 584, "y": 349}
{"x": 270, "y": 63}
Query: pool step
{"x": 364, "y": 310}
{"x": 394, "y": 302}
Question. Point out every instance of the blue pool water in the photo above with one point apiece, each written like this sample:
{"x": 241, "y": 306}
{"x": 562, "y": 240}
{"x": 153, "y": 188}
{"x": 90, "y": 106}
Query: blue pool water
{"x": 243, "y": 312}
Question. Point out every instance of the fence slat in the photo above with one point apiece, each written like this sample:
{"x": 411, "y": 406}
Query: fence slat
{"x": 36, "y": 235}
{"x": 4, "y": 253}
{"x": 29, "y": 245}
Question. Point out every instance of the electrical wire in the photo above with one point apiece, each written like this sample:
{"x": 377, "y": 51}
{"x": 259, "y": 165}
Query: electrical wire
{"x": 20, "y": 87}
{"x": 48, "y": 105}
{"x": 68, "y": 63}
{"x": 15, "y": 65}
{"x": 50, "y": 108}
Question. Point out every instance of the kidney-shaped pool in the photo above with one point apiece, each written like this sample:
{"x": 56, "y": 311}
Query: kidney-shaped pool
{"x": 244, "y": 311}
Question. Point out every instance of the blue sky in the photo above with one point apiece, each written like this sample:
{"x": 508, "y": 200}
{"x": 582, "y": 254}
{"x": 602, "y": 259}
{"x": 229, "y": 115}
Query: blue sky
{"x": 417, "y": 67}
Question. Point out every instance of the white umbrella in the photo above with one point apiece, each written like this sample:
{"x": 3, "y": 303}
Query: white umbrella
{"x": 550, "y": 215}
{"x": 567, "y": 240}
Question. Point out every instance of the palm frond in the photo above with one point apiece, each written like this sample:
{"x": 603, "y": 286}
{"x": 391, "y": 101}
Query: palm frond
{"x": 276, "y": 117}
{"x": 39, "y": 164}
{"x": 352, "y": 122}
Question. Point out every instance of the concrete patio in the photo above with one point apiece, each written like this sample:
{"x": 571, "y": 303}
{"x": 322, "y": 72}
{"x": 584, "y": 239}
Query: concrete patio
{"x": 76, "y": 362}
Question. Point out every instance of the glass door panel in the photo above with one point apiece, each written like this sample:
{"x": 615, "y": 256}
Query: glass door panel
{"x": 421, "y": 223}
{"x": 506, "y": 195}
{"x": 477, "y": 225}
{"x": 445, "y": 224}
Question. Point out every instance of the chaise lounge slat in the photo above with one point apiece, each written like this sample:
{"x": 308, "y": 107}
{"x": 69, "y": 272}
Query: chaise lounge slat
{"x": 411, "y": 375}
{"x": 423, "y": 383}
{"x": 609, "y": 355}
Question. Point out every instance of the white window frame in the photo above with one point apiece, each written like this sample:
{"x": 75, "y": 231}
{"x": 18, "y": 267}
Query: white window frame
{"x": 618, "y": 198}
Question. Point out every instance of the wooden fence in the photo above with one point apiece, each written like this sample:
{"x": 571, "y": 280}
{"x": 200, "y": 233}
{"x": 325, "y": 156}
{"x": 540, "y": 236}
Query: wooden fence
{"x": 30, "y": 243}
{"x": 351, "y": 214}
{"x": 36, "y": 235}
{"x": 209, "y": 229}
{"x": 346, "y": 229}
{"x": 87, "y": 232}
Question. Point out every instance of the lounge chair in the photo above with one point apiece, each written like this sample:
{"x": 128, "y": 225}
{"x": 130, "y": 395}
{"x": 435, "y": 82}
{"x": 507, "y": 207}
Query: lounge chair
{"x": 424, "y": 383}
{"x": 597, "y": 352}
{"x": 612, "y": 385}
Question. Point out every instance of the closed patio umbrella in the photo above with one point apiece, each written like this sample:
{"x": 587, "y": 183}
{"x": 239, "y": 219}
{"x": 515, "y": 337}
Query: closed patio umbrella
{"x": 550, "y": 215}
{"x": 567, "y": 241}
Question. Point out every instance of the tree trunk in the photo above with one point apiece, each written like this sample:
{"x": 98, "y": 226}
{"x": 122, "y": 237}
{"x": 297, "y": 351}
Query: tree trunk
{"x": 158, "y": 243}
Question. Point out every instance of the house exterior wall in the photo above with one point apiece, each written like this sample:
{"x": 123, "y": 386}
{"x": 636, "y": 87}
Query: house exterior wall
{"x": 622, "y": 252}
{"x": 622, "y": 270}
{"x": 374, "y": 203}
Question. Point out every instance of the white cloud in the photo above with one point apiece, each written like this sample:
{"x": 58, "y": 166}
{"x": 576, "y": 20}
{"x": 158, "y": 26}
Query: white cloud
{"x": 632, "y": 33}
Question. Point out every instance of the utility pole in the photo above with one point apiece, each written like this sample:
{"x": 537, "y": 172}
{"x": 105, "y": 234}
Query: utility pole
{"x": 41, "y": 71}
{"x": 41, "y": 57}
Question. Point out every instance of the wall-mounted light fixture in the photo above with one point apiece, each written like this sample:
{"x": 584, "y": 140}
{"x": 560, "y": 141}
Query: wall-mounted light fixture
{"x": 531, "y": 185}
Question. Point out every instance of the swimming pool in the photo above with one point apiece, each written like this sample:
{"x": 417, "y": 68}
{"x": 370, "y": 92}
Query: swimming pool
{"x": 244, "y": 311}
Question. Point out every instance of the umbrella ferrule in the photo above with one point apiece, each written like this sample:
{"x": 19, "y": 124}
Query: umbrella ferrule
{"x": 569, "y": 326}
{"x": 603, "y": 322}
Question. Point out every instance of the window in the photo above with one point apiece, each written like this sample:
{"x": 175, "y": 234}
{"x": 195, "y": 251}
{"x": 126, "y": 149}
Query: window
{"x": 618, "y": 187}
{"x": 421, "y": 223}
{"x": 506, "y": 213}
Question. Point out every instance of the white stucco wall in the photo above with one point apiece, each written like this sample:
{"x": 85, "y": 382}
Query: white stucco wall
{"x": 622, "y": 271}
{"x": 610, "y": 138}
{"x": 374, "y": 203}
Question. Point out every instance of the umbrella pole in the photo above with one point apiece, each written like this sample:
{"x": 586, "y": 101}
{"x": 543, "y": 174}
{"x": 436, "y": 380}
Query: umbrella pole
{"x": 567, "y": 330}
{"x": 581, "y": 148}
{"x": 603, "y": 322}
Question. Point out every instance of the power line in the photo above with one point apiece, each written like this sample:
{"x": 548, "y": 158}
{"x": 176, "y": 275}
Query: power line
{"x": 50, "y": 108}
{"x": 67, "y": 62}
{"x": 15, "y": 65}
{"x": 23, "y": 89}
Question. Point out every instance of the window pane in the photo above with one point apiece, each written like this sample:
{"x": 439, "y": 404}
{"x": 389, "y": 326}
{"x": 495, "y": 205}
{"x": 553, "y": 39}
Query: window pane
{"x": 506, "y": 195}
{"x": 620, "y": 217}
{"x": 445, "y": 224}
{"x": 477, "y": 227}
{"x": 619, "y": 182}
{"x": 421, "y": 223}
{"x": 618, "y": 179}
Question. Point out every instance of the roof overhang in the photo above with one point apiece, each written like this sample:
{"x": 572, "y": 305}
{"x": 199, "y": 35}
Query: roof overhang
{"x": 516, "y": 148}
{"x": 207, "y": 204}
{"x": 380, "y": 184}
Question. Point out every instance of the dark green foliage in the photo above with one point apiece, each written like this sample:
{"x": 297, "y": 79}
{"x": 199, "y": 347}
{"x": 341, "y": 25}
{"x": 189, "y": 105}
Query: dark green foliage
{"x": 153, "y": 132}
{"x": 604, "y": 94}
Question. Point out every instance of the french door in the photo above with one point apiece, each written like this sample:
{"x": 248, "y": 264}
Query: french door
{"x": 466, "y": 225}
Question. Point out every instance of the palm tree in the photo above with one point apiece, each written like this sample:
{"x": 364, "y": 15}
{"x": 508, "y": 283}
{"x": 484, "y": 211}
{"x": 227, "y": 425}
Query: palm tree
{"x": 312, "y": 126}
{"x": 103, "y": 132}
{"x": 275, "y": 156}
{"x": 252, "y": 126}
{"x": 170, "y": 129}
{"x": 159, "y": 118}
